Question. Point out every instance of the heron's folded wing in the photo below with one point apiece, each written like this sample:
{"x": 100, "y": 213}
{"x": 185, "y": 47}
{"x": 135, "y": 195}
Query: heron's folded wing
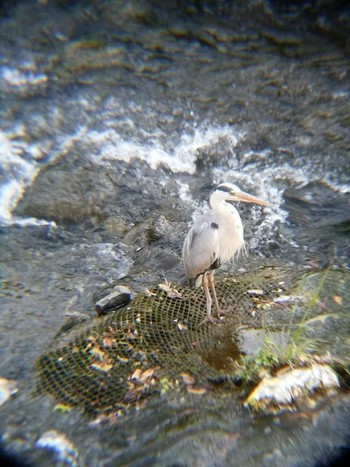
{"x": 201, "y": 247}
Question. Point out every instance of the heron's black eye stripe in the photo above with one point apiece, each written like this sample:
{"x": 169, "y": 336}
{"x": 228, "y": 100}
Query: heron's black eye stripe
{"x": 224, "y": 188}
{"x": 214, "y": 225}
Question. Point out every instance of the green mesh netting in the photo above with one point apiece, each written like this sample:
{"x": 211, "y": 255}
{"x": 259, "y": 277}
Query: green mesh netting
{"x": 158, "y": 340}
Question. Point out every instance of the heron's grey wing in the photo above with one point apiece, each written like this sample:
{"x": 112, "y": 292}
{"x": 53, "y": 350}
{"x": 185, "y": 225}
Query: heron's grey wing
{"x": 201, "y": 246}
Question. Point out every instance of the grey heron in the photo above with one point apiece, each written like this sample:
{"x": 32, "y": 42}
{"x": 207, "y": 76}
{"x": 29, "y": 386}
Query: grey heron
{"x": 214, "y": 238}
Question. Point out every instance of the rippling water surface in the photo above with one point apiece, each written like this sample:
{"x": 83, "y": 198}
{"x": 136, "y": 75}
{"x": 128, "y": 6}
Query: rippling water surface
{"x": 118, "y": 118}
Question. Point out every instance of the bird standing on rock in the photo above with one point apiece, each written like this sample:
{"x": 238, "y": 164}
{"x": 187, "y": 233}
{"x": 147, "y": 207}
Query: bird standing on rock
{"x": 215, "y": 238}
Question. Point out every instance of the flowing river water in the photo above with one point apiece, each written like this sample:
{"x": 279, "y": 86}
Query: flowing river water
{"x": 117, "y": 120}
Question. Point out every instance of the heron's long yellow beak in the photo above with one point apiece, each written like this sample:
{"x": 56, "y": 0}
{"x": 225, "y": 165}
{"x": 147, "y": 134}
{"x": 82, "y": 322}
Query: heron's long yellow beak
{"x": 246, "y": 198}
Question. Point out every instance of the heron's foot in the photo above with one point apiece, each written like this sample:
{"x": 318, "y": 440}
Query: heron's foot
{"x": 210, "y": 319}
{"x": 221, "y": 313}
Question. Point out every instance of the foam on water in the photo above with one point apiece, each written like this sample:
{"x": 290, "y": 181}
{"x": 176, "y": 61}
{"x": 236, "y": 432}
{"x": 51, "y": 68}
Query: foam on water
{"x": 253, "y": 172}
{"x": 181, "y": 158}
{"x": 16, "y": 174}
{"x": 340, "y": 187}
{"x": 20, "y": 163}
{"x": 184, "y": 192}
{"x": 265, "y": 182}
{"x": 21, "y": 78}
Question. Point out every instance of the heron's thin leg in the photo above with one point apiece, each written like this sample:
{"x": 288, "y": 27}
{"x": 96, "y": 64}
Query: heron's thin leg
{"x": 212, "y": 286}
{"x": 207, "y": 293}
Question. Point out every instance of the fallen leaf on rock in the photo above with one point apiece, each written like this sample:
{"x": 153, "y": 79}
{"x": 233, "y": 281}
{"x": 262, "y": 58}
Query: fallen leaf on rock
{"x": 198, "y": 391}
{"x": 187, "y": 378}
{"x": 101, "y": 366}
{"x": 338, "y": 300}
{"x": 142, "y": 376}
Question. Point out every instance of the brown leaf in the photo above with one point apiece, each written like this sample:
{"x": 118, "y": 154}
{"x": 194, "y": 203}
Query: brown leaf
{"x": 142, "y": 376}
{"x": 187, "y": 378}
{"x": 101, "y": 366}
{"x": 255, "y": 292}
{"x": 98, "y": 353}
{"x": 146, "y": 375}
{"x": 108, "y": 342}
{"x": 182, "y": 327}
{"x": 338, "y": 300}
{"x": 137, "y": 373}
{"x": 198, "y": 391}
{"x": 122, "y": 359}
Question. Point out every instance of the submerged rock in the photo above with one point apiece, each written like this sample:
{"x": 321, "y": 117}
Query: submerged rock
{"x": 65, "y": 451}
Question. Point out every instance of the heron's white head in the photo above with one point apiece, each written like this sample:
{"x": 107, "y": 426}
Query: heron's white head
{"x": 229, "y": 192}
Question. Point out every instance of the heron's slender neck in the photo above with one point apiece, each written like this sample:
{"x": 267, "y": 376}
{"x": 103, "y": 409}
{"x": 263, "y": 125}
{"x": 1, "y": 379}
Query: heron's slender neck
{"x": 230, "y": 228}
{"x": 224, "y": 210}
{"x": 219, "y": 205}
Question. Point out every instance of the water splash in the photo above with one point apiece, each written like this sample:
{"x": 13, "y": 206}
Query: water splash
{"x": 180, "y": 157}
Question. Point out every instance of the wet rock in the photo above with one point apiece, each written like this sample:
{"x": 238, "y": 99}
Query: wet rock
{"x": 74, "y": 189}
{"x": 87, "y": 56}
{"x": 68, "y": 191}
{"x": 157, "y": 260}
{"x": 159, "y": 228}
{"x": 120, "y": 296}
{"x": 251, "y": 340}
{"x": 74, "y": 319}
